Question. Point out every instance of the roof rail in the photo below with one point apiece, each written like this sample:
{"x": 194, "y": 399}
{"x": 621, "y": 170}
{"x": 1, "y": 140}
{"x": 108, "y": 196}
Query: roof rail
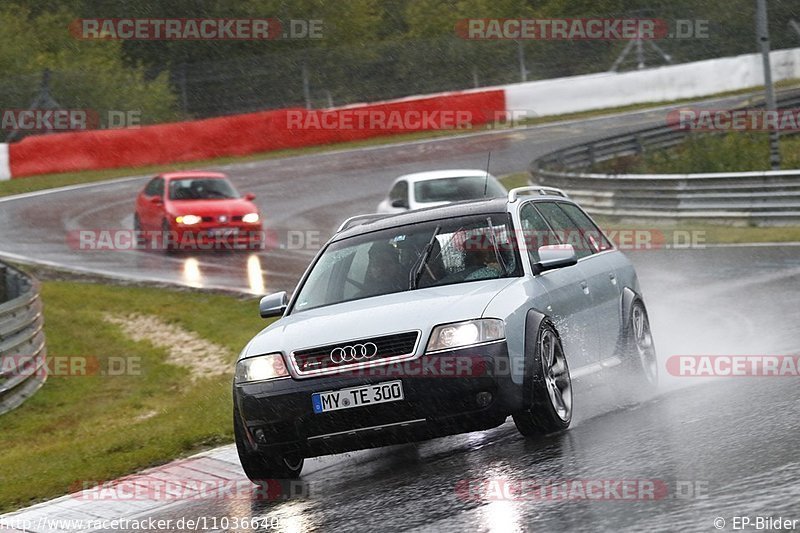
{"x": 541, "y": 189}
{"x": 363, "y": 219}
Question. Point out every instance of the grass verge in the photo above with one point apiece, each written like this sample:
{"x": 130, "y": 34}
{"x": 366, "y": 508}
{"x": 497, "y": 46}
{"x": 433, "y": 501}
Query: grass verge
{"x": 100, "y": 427}
{"x": 701, "y": 153}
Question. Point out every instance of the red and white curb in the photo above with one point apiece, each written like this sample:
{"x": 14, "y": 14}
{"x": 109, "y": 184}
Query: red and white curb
{"x": 219, "y": 467}
{"x": 5, "y": 167}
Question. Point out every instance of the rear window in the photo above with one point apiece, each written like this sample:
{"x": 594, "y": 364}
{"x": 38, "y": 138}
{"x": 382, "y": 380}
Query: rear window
{"x": 457, "y": 189}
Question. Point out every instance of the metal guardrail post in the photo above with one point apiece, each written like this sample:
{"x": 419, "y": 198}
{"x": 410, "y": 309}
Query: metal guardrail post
{"x": 639, "y": 144}
{"x": 3, "y": 284}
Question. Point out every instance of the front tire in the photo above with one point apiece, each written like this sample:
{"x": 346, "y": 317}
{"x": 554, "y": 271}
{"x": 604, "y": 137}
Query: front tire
{"x": 167, "y": 242}
{"x": 258, "y": 468}
{"x": 640, "y": 350}
{"x": 550, "y": 387}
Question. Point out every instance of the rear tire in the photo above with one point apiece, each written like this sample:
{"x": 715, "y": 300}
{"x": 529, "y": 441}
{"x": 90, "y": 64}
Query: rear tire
{"x": 258, "y": 468}
{"x": 550, "y": 386}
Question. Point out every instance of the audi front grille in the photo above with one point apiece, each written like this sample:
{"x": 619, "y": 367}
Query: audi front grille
{"x": 333, "y": 358}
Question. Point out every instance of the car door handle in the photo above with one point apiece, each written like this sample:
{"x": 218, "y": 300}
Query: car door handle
{"x": 585, "y": 287}
{"x": 613, "y": 278}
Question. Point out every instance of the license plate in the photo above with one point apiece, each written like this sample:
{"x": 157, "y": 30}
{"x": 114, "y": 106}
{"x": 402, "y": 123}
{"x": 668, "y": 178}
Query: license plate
{"x": 390, "y": 391}
{"x": 221, "y": 233}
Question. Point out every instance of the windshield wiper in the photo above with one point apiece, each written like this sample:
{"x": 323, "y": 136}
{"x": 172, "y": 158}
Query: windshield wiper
{"x": 416, "y": 270}
{"x": 497, "y": 254}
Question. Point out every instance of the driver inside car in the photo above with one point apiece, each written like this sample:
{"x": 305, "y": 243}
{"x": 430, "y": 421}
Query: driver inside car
{"x": 384, "y": 272}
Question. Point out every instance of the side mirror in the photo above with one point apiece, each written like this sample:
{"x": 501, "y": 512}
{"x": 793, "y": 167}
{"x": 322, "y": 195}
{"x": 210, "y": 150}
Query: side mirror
{"x": 556, "y": 256}
{"x": 156, "y": 200}
{"x": 249, "y": 197}
{"x": 400, "y": 203}
{"x": 273, "y": 304}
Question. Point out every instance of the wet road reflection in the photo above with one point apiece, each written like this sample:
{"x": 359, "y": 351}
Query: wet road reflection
{"x": 191, "y": 272}
{"x": 710, "y": 447}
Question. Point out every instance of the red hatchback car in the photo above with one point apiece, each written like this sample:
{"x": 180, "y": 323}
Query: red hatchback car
{"x": 197, "y": 210}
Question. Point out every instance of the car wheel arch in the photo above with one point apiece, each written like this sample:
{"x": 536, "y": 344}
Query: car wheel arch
{"x": 533, "y": 321}
{"x": 627, "y": 300}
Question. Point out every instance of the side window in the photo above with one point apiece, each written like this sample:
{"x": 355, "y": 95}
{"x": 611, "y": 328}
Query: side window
{"x": 150, "y": 190}
{"x": 565, "y": 228}
{"x": 399, "y": 192}
{"x": 535, "y": 231}
{"x": 155, "y": 187}
{"x": 591, "y": 233}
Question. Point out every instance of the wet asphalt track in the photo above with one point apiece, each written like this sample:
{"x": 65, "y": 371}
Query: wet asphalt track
{"x": 303, "y": 199}
{"x": 718, "y": 448}
{"x": 732, "y": 440}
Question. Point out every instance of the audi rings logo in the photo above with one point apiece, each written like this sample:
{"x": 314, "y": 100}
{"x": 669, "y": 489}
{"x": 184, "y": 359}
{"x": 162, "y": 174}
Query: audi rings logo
{"x": 353, "y": 353}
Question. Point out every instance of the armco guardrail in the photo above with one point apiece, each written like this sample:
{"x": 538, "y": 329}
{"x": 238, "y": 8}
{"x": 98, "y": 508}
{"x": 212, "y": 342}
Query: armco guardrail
{"x": 23, "y": 369}
{"x": 763, "y": 198}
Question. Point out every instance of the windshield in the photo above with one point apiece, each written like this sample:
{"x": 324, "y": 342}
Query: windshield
{"x": 201, "y": 189}
{"x": 456, "y": 189}
{"x": 412, "y": 257}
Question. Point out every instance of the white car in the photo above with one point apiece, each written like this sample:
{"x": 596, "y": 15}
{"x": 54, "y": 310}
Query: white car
{"x": 439, "y": 187}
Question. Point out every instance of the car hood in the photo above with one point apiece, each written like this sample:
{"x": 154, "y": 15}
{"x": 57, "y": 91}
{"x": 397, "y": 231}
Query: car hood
{"x": 230, "y": 207}
{"x": 420, "y": 309}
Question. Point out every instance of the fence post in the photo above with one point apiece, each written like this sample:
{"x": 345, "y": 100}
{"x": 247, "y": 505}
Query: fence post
{"x": 306, "y": 86}
{"x": 3, "y": 285}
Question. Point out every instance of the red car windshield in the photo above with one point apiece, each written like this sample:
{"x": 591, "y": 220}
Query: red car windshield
{"x": 201, "y": 189}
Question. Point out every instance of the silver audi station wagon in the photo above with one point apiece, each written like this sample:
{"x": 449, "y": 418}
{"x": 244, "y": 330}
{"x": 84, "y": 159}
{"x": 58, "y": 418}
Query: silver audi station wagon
{"x": 439, "y": 321}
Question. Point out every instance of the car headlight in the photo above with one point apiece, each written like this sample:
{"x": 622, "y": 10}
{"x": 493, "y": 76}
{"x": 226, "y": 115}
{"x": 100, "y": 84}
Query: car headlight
{"x": 188, "y": 220}
{"x": 460, "y": 334}
{"x": 250, "y": 218}
{"x": 260, "y": 368}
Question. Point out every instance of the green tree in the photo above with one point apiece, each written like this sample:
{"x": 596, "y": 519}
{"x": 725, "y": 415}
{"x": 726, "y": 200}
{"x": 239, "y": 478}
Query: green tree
{"x": 85, "y": 74}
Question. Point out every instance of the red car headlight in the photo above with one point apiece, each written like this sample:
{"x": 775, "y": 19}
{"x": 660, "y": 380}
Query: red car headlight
{"x": 188, "y": 220}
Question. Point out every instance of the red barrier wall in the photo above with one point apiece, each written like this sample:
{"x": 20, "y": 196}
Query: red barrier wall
{"x": 248, "y": 134}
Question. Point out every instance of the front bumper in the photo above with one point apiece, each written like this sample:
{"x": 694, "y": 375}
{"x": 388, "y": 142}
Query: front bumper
{"x": 440, "y": 398}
